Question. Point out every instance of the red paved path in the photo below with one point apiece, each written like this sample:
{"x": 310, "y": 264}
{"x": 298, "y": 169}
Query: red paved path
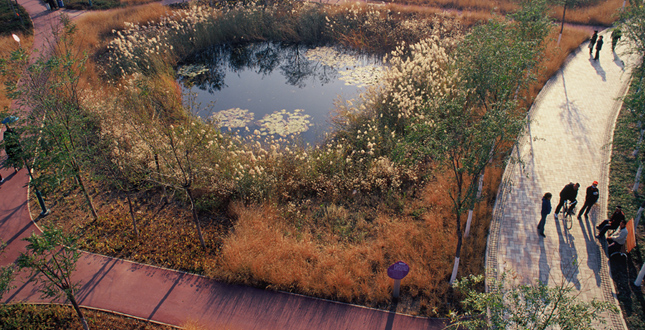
{"x": 168, "y": 296}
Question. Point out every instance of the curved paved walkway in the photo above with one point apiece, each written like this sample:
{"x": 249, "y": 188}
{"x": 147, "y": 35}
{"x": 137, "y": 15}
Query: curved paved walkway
{"x": 568, "y": 140}
{"x": 169, "y": 296}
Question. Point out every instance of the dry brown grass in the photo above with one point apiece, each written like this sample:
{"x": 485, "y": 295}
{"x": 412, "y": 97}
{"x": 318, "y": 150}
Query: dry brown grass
{"x": 7, "y": 45}
{"x": 265, "y": 248}
{"x": 600, "y": 13}
{"x": 604, "y": 13}
{"x": 96, "y": 26}
{"x": 503, "y": 6}
{"x": 556, "y": 54}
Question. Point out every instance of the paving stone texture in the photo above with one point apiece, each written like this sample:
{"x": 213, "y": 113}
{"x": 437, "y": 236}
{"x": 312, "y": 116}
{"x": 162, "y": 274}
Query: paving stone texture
{"x": 568, "y": 139}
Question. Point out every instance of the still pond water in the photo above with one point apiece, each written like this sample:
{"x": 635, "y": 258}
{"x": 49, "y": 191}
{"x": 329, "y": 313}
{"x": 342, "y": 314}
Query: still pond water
{"x": 273, "y": 89}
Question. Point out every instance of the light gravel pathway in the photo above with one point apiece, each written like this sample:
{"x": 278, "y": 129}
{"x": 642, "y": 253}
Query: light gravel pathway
{"x": 567, "y": 140}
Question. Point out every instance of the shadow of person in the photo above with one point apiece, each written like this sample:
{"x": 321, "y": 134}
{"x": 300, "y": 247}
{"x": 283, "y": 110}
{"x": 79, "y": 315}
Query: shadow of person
{"x": 568, "y": 255}
{"x": 545, "y": 269}
{"x": 620, "y": 63}
{"x": 596, "y": 65}
{"x": 593, "y": 252}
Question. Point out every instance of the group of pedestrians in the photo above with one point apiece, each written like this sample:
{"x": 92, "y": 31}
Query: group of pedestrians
{"x": 616, "y": 222}
{"x": 597, "y": 41}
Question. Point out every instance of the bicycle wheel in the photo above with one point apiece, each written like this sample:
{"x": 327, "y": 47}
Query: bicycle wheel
{"x": 566, "y": 216}
{"x": 568, "y": 219}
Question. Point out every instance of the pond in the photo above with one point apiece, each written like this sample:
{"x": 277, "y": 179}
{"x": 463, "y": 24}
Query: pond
{"x": 273, "y": 89}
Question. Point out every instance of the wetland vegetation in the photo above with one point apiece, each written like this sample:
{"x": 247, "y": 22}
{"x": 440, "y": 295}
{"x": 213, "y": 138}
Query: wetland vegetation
{"x": 131, "y": 165}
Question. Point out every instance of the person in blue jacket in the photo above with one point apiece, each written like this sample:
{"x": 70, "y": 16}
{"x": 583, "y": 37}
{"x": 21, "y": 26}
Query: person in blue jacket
{"x": 546, "y": 209}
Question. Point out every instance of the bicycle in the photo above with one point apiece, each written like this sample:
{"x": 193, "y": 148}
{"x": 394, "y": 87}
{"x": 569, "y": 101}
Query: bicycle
{"x": 568, "y": 212}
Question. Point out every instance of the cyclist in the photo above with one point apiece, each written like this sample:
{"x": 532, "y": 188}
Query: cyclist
{"x": 569, "y": 192}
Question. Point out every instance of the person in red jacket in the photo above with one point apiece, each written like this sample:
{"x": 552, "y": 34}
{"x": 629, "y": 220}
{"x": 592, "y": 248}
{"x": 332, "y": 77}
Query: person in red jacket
{"x": 590, "y": 199}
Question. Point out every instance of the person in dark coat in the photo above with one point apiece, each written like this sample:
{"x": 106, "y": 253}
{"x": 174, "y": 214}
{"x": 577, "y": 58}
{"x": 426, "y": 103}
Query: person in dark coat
{"x": 611, "y": 223}
{"x": 592, "y": 42}
{"x": 615, "y": 36}
{"x": 598, "y": 48}
{"x": 569, "y": 192}
{"x": 546, "y": 209}
{"x": 590, "y": 199}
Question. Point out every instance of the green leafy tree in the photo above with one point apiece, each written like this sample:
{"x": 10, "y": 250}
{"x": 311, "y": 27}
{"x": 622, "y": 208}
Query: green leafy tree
{"x": 178, "y": 146}
{"x": 481, "y": 118}
{"x": 60, "y": 136}
{"x": 529, "y": 306}
{"x": 6, "y": 274}
{"x": 51, "y": 258}
{"x": 632, "y": 23}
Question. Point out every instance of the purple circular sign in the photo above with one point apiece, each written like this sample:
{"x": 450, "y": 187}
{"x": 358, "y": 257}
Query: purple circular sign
{"x": 398, "y": 270}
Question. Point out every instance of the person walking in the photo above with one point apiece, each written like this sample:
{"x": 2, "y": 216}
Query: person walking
{"x": 598, "y": 48}
{"x": 590, "y": 199}
{"x": 569, "y": 192}
{"x": 592, "y": 42}
{"x": 546, "y": 209}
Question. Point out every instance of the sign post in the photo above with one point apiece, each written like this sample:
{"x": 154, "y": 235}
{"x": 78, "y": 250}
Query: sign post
{"x": 397, "y": 271}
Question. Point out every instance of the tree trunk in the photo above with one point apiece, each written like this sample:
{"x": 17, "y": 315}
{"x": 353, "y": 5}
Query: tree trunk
{"x": 134, "y": 221}
{"x": 458, "y": 252}
{"x": 564, "y": 11}
{"x": 78, "y": 311}
{"x": 195, "y": 218}
{"x": 88, "y": 198}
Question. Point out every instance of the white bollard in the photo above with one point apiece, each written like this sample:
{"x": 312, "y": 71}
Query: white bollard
{"x": 454, "y": 271}
{"x": 470, "y": 219}
{"x": 638, "y": 178}
{"x": 638, "y": 216}
{"x": 397, "y": 288}
{"x": 639, "y": 279}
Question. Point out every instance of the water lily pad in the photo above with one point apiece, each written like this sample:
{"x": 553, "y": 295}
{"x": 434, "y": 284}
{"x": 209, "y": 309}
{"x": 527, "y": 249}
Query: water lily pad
{"x": 233, "y": 118}
{"x": 285, "y": 123}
